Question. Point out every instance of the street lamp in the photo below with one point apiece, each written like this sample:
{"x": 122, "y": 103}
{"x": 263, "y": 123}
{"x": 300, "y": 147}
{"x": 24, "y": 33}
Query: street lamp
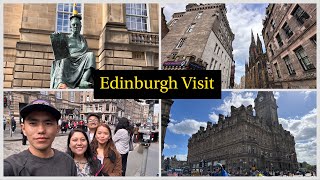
{"x": 146, "y": 137}
{"x": 165, "y": 113}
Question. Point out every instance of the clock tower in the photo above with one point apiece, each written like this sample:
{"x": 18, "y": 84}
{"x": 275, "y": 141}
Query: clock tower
{"x": 266, "y": 107}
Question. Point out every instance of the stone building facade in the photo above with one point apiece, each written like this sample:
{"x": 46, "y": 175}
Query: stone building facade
{"x": 122, "y": 36}
{"x": 173, "y": 163}
{"x": 244, "y": 141}
{"x": 289, "y": 32}
{"x": 256, "y": 71}
{"x": 164, "y": 27}
{"x": 200, "y": 36}
{"x": 110, "y": 110}
{"x": 67, "y": 102}
{"x": 243, "y": 82}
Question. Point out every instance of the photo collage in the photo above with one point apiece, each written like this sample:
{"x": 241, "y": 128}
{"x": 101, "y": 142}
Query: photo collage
{"x": 264, "y": 124}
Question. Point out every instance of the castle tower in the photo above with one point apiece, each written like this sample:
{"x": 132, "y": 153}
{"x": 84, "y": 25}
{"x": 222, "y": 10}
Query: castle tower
{"x": 266, "y": 107}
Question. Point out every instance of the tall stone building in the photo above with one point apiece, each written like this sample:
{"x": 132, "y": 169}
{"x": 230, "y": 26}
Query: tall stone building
{"x": 256, "y": 71}
{"x": 67, "y": 102}
{"x": 243, "y": 82}
{"x": 109, "y": 110}
{"x": 122, "y": 36}
{"x": 244, "y": 141}
{"x": 289, "y": 32}
{"x": 200, "y": 38}
{"x": 164, "y": 27}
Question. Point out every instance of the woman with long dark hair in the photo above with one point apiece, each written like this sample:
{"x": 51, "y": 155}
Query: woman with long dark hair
{"x": 79, "y": 149}
{"x": 103, "y": 147}
{"x": 121, "y": 139}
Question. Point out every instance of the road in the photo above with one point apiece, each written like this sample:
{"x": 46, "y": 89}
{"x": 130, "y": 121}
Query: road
{"x": 14, "y": 145}
{"x": 135, "y": 161}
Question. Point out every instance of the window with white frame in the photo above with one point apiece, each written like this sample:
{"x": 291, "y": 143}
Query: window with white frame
{"x": 300, "y": 14}
{"x": 277, "y": 69}
{"x": 289, "y": 65}
{"x": 64, "y": 11}
{"x": 199, "y": 15}
{"x": 180, "y": 43}
{"x": 287, "y": 30}
{"x": 211, "y": 63}
{"x": 190, "y": 28}
{"x": 72, "y": 96}
{"x": 44, "y": 92}
{"x": 59, "y": 95}
{"x": 314, "y": 39}
{"x": 173, "y": 22}
{"x": 137, "y": 17}
{"x": 303, "y": 59}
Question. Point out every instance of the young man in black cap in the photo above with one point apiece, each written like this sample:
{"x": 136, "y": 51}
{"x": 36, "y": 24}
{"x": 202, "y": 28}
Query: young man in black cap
{"x": 40, "y": 125}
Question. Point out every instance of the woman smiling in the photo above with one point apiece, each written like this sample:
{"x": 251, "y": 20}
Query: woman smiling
{"x": 79, "y": 149}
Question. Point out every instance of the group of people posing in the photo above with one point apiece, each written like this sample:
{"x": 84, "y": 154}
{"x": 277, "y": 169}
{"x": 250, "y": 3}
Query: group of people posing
{"x": 89, "y": 153}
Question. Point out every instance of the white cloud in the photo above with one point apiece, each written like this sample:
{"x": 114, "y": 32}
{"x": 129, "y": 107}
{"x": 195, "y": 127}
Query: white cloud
{"x": 276, "y": 95}
{"x": 213, "y": 117}
{"x": 306, "y": 94}
{"x": 307, "y": 152}
{"x": 304, "y": 131}
{"x": 236, "y": 99}
{"x": 180, "y": 157}
{"x": 167, "y": 146}
{"x": 172, "y": 120}
{"x": 186, "y": 127}
{"x": 170, "y": 9}
{"x": 242, "y": 20}
{"x": 240, "y": 71}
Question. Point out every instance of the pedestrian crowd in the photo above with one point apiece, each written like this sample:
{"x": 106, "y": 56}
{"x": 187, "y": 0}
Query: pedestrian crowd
{"x": 91, "y": 151}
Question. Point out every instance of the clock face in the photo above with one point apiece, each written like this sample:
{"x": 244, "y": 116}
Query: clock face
{"x": 261, "y": 98}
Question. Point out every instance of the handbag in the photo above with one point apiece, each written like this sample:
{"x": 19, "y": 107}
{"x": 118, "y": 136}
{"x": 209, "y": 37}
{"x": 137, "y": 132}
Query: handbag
{"x": 130, "y": 144}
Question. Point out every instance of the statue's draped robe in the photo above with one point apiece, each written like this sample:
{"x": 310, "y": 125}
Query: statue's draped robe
{"x": 70, "y": 70}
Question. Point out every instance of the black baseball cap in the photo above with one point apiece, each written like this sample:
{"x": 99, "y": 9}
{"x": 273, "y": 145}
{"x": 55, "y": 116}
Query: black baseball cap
{"x": 40, "y": 105}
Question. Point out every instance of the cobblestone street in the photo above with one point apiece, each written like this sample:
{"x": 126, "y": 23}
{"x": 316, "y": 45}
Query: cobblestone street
{"x": 14, "y": 145}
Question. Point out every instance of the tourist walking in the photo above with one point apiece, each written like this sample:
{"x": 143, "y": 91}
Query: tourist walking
{"x": 121, "y": 139}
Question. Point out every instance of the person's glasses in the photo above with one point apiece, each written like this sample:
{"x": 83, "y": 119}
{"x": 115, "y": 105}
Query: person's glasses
{"x": 92, "y": 120}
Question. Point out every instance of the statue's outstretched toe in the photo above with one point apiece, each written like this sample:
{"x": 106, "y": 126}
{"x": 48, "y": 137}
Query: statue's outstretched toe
{"x": 85, "y": 84}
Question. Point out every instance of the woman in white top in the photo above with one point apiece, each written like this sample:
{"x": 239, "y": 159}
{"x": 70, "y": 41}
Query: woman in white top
{"x": 121, "y": 139}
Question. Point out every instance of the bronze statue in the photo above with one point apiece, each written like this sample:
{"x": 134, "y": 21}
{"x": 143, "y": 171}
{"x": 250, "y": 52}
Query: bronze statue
{"x": 73, "y": 65}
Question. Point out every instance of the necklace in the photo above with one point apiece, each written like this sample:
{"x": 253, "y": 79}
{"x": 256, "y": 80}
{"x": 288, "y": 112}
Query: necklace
{"x": 78, "y": 162}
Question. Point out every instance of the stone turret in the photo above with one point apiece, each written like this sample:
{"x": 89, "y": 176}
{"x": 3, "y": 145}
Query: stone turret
{"x": 221, "y": 117}
{"x": 209, "y": 125}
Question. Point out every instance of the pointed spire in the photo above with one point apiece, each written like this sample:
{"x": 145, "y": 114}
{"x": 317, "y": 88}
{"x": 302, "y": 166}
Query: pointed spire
{"x": 252, "y": 38}
{"x": 258, "y": 39}
{"x": 259, "y": 45}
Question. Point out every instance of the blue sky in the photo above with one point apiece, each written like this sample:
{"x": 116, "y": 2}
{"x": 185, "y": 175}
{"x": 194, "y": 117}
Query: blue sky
{"x": 242, "y": 18}
{"x": 296, "y": 111}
